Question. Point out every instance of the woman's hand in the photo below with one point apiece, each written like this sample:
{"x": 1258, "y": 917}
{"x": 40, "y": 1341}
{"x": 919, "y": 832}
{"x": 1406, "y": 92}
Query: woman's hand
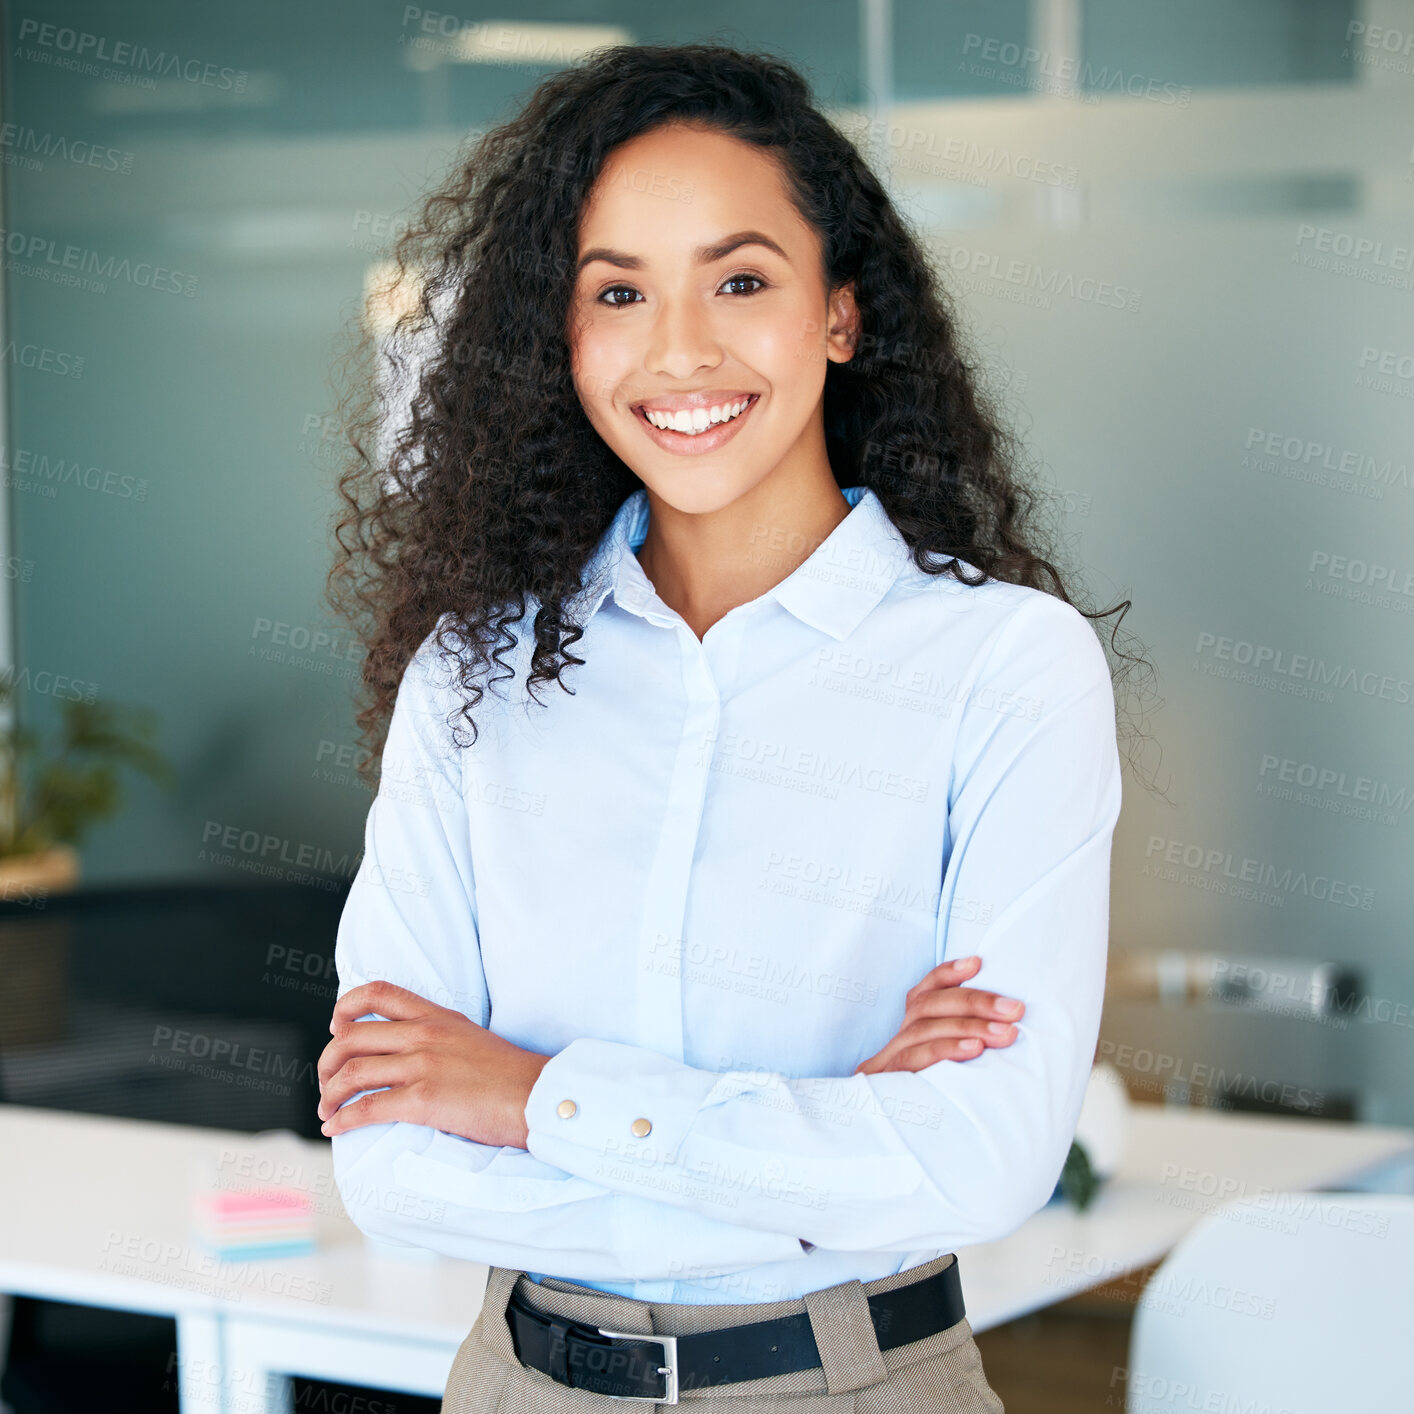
{"x": 445, "y": 1071}
{"x": 944, "y": 1020}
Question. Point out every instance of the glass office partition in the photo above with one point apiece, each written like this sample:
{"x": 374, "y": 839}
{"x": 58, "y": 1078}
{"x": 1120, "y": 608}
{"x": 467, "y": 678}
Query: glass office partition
{"x": 1178, "y": 236}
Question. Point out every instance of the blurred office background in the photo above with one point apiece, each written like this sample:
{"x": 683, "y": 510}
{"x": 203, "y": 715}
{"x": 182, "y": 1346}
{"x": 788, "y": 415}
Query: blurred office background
{"x": 1181, "y": 237}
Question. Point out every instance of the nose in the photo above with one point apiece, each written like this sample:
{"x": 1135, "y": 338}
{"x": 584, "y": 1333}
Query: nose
{"x": 683, "y": 340}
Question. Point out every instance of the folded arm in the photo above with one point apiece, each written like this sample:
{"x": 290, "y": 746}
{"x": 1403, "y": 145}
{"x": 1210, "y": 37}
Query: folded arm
{"x": 411, "y": 919}
{"x": 953, "y": 1154}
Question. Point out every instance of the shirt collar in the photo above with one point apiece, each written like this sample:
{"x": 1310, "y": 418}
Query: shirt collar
{"x": 832, "y": 590}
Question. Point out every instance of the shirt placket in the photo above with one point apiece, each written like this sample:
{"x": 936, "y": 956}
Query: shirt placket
{"x": 660, "y": 994}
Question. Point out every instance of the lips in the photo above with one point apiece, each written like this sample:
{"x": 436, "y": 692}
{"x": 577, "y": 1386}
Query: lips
{"x": 715, "y": 435}
{"x": 706, "y": 404}
{"x": 688, "y": 402}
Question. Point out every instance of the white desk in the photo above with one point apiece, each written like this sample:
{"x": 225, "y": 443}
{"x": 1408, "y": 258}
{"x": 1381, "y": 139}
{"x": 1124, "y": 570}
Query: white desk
{"x": 1179, "y": 1165}
{"x": 94, "y": 1210}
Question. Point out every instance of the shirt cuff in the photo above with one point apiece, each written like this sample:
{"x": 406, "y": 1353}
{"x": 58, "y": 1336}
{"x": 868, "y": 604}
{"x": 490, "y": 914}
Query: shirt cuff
{"x": 598, "y": 1104}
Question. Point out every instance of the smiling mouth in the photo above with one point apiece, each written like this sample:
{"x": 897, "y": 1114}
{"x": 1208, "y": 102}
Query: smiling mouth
{"x": 694, "y": 430}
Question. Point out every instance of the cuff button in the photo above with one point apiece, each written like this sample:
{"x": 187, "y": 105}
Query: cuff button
{"x": 566, "y": 1109}
{"x": 640, "y": 1127}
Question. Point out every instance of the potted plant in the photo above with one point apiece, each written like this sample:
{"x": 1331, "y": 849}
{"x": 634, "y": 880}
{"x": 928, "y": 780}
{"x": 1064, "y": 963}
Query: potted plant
{"x": 51, "y": 794}
{"x": 1100, "y": 1138}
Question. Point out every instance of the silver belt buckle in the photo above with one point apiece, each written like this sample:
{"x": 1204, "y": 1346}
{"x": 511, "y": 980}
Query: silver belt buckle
{"x": 670, "y": 1353}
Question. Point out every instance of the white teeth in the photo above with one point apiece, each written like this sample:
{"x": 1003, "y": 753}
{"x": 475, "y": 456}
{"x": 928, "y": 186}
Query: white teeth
{"x": 697, "y": 420}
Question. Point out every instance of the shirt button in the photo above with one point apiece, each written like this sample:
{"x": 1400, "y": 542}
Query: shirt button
{"x": 640, "y": 1127}
{"x": 566, "y": 1109}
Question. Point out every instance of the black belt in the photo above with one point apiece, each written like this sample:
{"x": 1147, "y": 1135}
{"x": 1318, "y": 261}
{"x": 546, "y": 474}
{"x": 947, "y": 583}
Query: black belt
{"x": 632, "y": 1365}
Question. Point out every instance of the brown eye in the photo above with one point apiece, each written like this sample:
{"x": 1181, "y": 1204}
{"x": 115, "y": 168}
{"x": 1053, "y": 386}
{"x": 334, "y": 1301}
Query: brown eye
{"x": 616, "y": 289}
{"x": 745, "y": 275}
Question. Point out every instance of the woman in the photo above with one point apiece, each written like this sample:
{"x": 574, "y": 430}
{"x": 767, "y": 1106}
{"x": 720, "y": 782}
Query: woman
{"x": 691, "y": 402}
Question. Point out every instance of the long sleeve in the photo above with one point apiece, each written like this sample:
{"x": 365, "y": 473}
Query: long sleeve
{"x": 957, "y": 1153}
{"x": 411, "y": 918}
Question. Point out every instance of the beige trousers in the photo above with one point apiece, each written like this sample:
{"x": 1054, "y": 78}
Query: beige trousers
{"x": 940, "y": 1374}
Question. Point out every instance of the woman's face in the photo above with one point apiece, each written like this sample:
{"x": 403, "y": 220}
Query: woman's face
{"x": 700, "y": 290}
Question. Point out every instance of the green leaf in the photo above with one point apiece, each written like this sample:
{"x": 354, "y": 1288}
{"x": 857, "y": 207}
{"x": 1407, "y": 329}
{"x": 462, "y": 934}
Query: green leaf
{"x": 52, "y": 793}
{"x": 1078, "y": 1179}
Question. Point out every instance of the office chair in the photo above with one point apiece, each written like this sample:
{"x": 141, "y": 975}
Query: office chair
{"x": 1283, "y": 1301}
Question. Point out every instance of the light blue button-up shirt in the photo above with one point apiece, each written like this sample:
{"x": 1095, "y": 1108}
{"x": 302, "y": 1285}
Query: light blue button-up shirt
{"x": 704, "y": 883}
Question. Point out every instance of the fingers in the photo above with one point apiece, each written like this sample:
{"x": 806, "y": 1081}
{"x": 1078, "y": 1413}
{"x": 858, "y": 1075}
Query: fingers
{"x": 386, "y": 998}
{"x": 910, "y": 1057}
{"x": 966, "y": 1001}
{"x": 368, "y": 1038}
{"x": 947, "y": 1021}
{"x": 915, "y": 1058}
{"x": 381, "y": 1107}
{"x": 894, "y": 1057}
{"x": 941, "y": 991}
{"x": 365, "y": 1073}
{"x": 971, "y": 1033}
{"x": 924, "y": 1042}
{"x": 948, "y": 974}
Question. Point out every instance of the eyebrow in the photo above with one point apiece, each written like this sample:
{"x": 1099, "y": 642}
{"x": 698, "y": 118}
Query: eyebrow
{"x": 704, "y": 254}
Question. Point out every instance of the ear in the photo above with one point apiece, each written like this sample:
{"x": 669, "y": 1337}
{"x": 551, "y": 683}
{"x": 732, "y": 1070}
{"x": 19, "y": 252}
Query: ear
{"x": 842, "y": 337}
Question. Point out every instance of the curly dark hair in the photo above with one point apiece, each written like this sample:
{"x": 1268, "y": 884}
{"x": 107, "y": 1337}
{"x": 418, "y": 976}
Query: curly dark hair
{"x": 481, "y": 499}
